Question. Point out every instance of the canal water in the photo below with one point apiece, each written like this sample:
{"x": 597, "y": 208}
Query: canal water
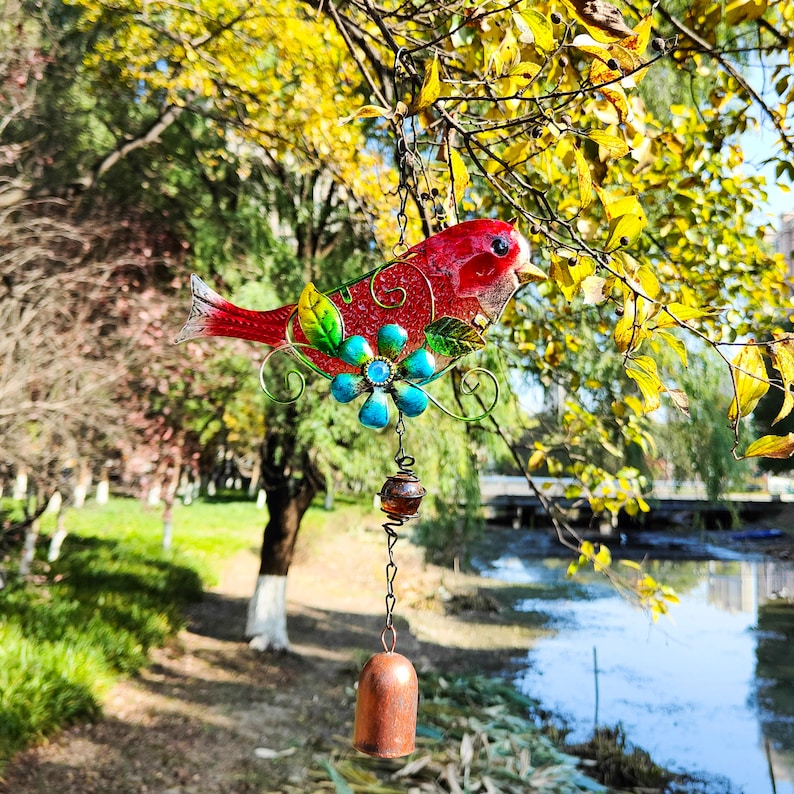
{"x": 708, "y": 691}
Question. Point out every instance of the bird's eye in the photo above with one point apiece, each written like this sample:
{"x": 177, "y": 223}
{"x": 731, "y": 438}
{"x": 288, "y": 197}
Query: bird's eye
{"x": 500, "y": 246}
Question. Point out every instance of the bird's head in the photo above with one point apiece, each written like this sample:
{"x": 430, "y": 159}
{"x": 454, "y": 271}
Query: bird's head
{"x": 484, "y": 259}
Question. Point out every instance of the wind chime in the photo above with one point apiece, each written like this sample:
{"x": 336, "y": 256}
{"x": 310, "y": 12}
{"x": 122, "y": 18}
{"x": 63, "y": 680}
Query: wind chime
{"x": 389, "y": 334}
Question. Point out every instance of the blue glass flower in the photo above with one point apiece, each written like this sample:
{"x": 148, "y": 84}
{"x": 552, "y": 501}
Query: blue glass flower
{"x": 381, "y": 375}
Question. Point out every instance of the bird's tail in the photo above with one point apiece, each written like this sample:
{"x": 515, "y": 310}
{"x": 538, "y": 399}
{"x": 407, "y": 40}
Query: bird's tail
{"x": 212, "y": 315}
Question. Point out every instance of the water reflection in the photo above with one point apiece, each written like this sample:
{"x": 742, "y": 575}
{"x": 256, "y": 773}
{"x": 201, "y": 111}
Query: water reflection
{"x": 712, "y": 690}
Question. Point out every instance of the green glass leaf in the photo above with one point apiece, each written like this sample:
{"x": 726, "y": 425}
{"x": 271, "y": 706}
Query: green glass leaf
{"x": 451, "y": 337}
{"x": 320, "y": 320}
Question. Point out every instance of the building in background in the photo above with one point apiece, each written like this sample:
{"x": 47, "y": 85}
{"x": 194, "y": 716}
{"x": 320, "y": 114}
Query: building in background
{"x": 784, "y": 241}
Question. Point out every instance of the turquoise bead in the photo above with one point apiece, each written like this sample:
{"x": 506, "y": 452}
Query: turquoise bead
{"x": 411, "y": 400}
{"x": 418, "y": 366}
{"x": 355, "y": 350}
{"x": 375, "y": 411}
{"x": 378, "y": 372}
{"x": 391, "y": 341}
{"x": 346, "y": 387}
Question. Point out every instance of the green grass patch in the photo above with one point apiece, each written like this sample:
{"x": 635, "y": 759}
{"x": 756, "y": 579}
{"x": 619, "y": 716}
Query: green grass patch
{"x": 72, "y": 628}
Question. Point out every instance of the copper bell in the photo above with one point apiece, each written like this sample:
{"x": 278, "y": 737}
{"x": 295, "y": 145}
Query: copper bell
{"x": 386, "y": 707}
{"x": 401, "y": 495}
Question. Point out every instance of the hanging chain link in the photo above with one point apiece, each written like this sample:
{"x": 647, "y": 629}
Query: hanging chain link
{"x": 410, "y": 165}
{"x": 404, "y": 461}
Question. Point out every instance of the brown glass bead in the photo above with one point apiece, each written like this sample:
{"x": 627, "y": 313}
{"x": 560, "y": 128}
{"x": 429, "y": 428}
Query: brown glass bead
{"x": 401, "y": 495}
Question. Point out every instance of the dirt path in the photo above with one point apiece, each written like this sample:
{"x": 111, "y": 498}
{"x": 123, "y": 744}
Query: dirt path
{"x": 210, "y": 715}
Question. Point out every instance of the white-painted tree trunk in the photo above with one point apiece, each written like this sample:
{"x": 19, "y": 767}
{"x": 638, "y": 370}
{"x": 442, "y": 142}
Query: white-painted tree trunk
{"x": 54, "y": 505}
{"x": 103, "y": 491}
{"x": 153, "y": 497}
{"x": 59, "y": 536}
{"x": 82, "y": 486}
{"x": 20, "y": 485}
{"x": 29, "y": 549}
{"x": 267, "y": 615}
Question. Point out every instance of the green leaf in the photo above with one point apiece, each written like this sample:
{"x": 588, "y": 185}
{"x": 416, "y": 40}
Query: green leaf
{"x": 451, "y": 337}
{"x": 340, "y": 784}
{"x": 320, "y": 320}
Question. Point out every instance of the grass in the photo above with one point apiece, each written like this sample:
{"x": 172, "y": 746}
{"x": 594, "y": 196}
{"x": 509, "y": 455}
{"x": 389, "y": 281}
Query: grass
{"x": 68, "y": 631}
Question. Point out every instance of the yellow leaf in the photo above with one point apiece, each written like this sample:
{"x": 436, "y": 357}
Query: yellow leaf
{"x": 642, "y": 370}
{"x": 604, "y": 557}
{"x": 744, "y": 11}
{"x": 780, "y": 447}
{"x": 677, "y": 345}
{"x": 615, "y": 206}
{"x": 460, "y": 175}
{"x": 587, "y": 548}
{"x": 431, "y": 88}
{"x": 616, "y": 147}
{"x": 782, "y": 353}
{"x": 616, "y": 96}
{"x": 675, "y": 313}
{"x": 536, "y": 460}
{"x": 627, "y": 334}
{"x": 541, "y": 29}
{"x": 524, "y": 72}
{"x": 634, "y": 404}
{"x": 631, "y": 564}
{"x": 624, "y": 230}
{"x": 585, "y": 179}
{"x": 642, "y": 33}
{"x": 649, "y": 284}
{"x": 587, "y": 44}
{"x": 750, "y": 381}
{"x": 570, "y": 273}
{"x": 368, "y": 112}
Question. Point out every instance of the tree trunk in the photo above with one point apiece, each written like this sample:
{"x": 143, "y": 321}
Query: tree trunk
{"x": 59, "y": 536}
{"x": 287, "y": 502}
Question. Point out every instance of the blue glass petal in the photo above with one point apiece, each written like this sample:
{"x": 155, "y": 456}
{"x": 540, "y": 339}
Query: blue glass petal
{"x": 391, "y": 341}
{"x": 417, "y": 366}
{"x": 355, "y": 350}
{"x": 375, "y": 411}
{"x": 347, "y": 387}
{"x": 409, "y": 399}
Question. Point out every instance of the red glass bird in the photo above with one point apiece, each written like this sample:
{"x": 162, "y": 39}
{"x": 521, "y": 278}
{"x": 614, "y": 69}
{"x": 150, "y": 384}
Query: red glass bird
{"x": 468, "y": 272}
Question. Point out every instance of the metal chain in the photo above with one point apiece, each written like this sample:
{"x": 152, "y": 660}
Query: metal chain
{"x": 404, "y": 461}
{"x": 391, "y": 572}
{"x": 395, "y": 522}
{"x": 410, "y": 166}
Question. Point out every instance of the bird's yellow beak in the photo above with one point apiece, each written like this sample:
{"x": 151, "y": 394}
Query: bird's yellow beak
{"x": 527, "y": 273}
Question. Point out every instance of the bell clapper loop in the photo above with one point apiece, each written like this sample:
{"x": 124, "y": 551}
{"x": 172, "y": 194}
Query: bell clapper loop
{"x": 388, "y": 648}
